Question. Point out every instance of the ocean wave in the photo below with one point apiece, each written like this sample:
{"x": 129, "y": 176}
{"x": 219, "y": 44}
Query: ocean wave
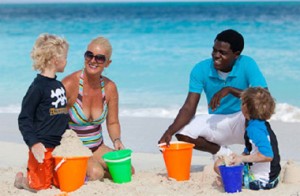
{"x": 284, "y": 112}
{"x": 10, "y": 109}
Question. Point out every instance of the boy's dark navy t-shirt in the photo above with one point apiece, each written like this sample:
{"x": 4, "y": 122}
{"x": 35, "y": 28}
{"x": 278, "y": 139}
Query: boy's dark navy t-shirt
{"x": 44, "y": 116}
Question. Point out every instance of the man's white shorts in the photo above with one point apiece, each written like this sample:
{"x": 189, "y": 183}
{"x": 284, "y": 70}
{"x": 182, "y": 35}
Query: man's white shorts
{"x": 221, "y": 129}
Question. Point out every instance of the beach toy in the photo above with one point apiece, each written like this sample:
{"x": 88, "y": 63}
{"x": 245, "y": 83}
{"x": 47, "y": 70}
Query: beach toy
{"x": 178, "y": 158}
{"x": 119, "y": 165}
{"x": 71, "y": 172}
{"x": 232, "y": 177}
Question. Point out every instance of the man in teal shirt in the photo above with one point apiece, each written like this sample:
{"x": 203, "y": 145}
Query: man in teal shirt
{"x": 222, "y": 78}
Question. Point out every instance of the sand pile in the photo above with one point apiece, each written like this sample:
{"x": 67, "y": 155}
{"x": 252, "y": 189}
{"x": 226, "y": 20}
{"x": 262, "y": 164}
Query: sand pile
{"x": 71, "y": 146}
{"x": 291, "y": 173}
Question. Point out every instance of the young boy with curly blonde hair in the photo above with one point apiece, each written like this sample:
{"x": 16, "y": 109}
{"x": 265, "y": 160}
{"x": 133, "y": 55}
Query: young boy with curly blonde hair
{"x": 44, "y": 116}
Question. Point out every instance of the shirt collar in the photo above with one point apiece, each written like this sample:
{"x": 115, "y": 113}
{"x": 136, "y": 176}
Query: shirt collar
{"x": 233, "y": 73}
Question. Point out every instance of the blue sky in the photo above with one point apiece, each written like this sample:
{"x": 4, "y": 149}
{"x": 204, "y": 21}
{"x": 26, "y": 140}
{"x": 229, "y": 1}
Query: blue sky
{"x": 61, "y": 1}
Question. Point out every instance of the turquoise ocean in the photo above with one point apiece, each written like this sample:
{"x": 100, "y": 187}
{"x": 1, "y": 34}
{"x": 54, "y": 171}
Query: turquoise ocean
{"x": 155, "y": 46}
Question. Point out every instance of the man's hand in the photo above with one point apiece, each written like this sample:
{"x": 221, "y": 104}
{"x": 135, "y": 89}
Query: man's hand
{"x": 38, "y": 150}
{"x": 215, "y": 101}
{"x": 166, "y": 138}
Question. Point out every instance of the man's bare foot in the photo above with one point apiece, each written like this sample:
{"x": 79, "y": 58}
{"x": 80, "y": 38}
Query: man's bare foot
{"x": 21, "y": 182}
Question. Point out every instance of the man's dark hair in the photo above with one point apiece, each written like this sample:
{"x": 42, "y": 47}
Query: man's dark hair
{"x": 234, "y": 38}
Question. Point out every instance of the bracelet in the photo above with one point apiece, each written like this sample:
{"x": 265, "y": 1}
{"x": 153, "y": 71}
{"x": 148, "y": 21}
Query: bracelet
{"x": 116, "y": 139}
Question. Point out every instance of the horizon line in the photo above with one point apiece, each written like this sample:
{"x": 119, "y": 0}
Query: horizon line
{"x": 134, "y": 1}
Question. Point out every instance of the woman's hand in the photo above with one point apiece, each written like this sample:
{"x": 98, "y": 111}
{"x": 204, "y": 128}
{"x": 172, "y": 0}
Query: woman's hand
{"x": 118, "y": 145}
{"x": 38, "y": 150}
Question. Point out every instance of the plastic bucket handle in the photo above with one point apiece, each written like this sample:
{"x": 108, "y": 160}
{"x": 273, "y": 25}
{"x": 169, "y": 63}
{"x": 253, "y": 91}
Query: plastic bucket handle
{"x": 118, "y": 160}
{"x": 164, "y": 144}
{"x": 60, "y": 163}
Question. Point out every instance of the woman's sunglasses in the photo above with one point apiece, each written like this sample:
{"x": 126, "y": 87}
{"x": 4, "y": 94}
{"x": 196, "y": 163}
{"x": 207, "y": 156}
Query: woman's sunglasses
{"x": 99, "y": 58}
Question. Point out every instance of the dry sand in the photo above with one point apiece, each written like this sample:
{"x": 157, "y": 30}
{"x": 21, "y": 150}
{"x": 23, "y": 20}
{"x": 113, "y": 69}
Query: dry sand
{"x": 151, "y": 175}
{"x": 150, "y": 179}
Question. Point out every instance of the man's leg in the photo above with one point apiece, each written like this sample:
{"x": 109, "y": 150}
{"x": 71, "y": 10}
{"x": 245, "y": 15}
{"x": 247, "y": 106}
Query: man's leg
{"x": 212, "y": 133}
{"x": 200, "y": 143}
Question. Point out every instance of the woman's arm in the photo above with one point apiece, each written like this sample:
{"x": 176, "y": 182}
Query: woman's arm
{"x": 112, "y": 120}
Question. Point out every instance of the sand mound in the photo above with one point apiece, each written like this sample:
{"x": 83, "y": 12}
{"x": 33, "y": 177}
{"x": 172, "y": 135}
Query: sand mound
{"x": 291, "y": 173}
{"x": 71, "y": 146}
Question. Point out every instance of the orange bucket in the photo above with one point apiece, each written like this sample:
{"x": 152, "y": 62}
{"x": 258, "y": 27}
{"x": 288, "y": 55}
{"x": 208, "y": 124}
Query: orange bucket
{"x": 178, "y": 158}
{"x": 71, "y": 172}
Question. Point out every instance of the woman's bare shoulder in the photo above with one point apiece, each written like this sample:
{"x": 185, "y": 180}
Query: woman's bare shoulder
{"x": 110, "y": 88}
{"x": 109, "y": 83}
{"x": 71, "y": 79}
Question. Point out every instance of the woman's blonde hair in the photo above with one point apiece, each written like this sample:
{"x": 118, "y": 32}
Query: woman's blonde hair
{"x": 104, "y": 43}
{"x": 259, "y": 103}
{"x": 47, "y": 47}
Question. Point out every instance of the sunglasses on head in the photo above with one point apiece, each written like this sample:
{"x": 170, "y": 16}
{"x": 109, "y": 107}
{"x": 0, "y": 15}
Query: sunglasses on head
{"x": 99, "y": 58}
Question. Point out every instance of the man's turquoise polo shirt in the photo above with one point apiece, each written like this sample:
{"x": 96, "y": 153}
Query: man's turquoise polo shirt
{"x": 245, "y": 73}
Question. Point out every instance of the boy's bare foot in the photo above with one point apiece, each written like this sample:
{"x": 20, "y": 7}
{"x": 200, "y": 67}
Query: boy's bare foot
{"x": 219, "y": 181}
{"x": 21, "y": 182}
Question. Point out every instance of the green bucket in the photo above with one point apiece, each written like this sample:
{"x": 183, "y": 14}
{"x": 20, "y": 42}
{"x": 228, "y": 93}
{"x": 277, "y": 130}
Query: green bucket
{"x": 119, "y": 165}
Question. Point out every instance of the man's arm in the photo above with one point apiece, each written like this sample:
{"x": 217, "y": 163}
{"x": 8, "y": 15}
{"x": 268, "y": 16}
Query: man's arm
{"x": 186, "y": 113}
{"x": 216, "y": 100}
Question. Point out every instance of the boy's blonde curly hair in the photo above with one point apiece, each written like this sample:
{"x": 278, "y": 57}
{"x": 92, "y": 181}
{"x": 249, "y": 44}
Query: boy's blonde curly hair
{"x": 259, "y": 102}
{"x": 47, "y": 47}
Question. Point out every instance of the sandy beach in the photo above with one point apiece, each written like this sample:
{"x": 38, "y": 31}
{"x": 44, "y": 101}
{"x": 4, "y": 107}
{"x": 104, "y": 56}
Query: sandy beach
{"x": 141, "y": 135}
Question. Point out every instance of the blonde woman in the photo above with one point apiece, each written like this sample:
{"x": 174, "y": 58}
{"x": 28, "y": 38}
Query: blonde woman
{"x": 43, "y": 118}
{"x": 93, "y": 99}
